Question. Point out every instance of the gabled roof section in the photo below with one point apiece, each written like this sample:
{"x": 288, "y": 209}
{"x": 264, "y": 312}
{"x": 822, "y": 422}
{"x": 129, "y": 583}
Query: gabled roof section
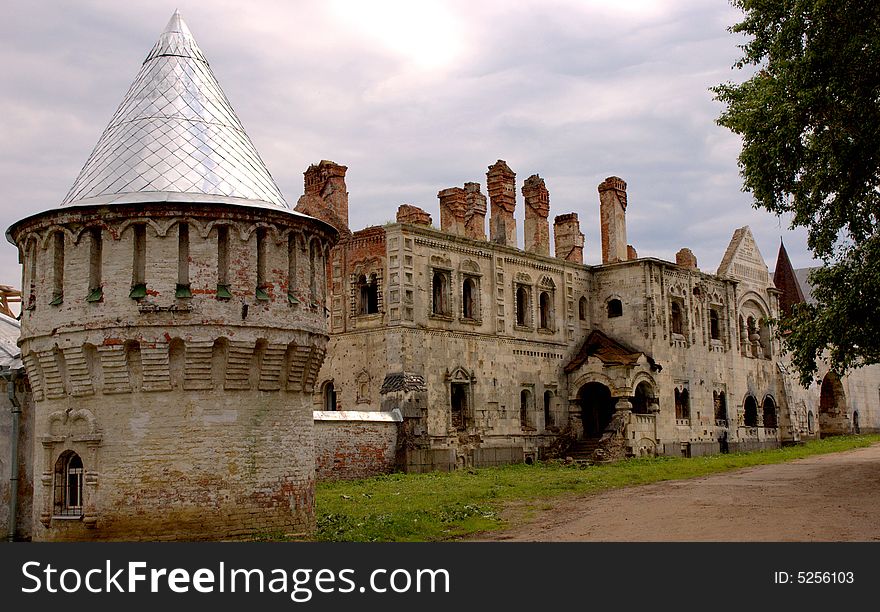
{"x": 175, "y": 137}
{"x": 785, "y": 280}
{"x": 743, "y": 261}
{"x": 608, "y": 350}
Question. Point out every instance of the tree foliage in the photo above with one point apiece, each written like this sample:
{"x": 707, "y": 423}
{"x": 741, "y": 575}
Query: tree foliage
{"x": 809, "y": 117}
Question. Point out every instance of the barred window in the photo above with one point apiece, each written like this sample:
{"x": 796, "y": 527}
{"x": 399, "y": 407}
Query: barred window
{"x": 68, "y": 499}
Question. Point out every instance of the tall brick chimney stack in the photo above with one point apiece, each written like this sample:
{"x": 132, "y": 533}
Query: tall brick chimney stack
{"x": 568, "y": 238}
{"x": 326, "y": 196}
{"x": 453, "y": 206}
{"x": 686, "y": 259}
{"x": 501, "y": 185}
{"x": 612, "y": 210}
{"x": 537, "y": 228}
{"x": 475, "y": 217}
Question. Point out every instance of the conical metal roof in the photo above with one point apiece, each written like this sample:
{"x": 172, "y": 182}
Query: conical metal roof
{"x": 175, "y": 137}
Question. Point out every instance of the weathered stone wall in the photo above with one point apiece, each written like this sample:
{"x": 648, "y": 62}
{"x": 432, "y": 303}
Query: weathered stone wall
{"x": 355, "y": 444}
{"x": 25, "y": 489}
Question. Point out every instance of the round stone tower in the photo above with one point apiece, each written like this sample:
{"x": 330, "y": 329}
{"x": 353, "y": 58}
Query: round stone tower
{"x": 173, "y": 323}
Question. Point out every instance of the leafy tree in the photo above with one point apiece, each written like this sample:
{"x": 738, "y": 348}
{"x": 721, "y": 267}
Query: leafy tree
{"x": 809, "y": 116}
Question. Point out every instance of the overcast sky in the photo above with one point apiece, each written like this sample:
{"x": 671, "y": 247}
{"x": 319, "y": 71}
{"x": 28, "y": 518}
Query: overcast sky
{"x": 414, "y": 97}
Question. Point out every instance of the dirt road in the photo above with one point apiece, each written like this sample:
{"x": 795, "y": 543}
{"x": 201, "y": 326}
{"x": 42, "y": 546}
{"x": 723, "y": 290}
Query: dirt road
{"x": 832, "y": 497}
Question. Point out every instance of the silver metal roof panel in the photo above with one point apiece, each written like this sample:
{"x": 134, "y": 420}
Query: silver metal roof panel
{"x": 175, "y": 132}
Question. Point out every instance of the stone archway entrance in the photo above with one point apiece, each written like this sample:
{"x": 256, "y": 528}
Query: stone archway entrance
{"x": 597, "y": 408}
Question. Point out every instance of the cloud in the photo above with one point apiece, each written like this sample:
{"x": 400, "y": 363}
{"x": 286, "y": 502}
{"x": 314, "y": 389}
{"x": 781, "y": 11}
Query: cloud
{"x": 413, "y": 98}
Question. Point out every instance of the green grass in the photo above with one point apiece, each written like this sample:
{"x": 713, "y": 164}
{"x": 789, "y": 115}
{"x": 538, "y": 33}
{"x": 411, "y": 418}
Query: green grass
{"x": 440, "y": 506}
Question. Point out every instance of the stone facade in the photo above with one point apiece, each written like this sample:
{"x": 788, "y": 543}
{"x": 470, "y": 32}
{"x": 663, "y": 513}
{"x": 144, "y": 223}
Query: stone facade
{"x": 524, "y": 355}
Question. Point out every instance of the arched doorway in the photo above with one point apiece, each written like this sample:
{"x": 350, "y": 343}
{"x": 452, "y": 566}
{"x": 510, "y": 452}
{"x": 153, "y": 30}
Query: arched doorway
{"x": 832, "y": 406}
{"x": 597, "y": 408}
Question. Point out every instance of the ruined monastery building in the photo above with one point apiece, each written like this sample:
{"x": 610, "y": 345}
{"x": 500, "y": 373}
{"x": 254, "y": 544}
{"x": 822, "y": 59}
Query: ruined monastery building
{"x": 194, "y": 352}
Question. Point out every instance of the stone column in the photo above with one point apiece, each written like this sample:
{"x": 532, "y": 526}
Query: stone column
{"x": 501, "y": 185}
{"x": 537, "y": 229}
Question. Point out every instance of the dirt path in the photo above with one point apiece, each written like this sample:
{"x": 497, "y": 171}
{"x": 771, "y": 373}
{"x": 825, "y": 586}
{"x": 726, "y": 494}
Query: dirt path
{"x": 826, "y": 497}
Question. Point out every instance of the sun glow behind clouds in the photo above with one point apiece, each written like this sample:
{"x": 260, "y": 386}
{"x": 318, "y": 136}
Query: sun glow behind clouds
{"x": 423, "y": 33}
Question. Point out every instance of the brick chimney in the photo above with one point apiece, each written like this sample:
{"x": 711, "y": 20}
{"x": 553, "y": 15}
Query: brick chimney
{"x": 475, "y": 217}
{"x": 612, "y": 210}
{"x": 453, "y": 206}
{"x": 686, "y": 259}
{"x": 501, "y": 185}
{"x": 325, "y": 196}
{"x": 407, "y": 213}
{"x": 537, "y": 228}
{"x": 568, "y": 238}
{"x": 631, "y": 252}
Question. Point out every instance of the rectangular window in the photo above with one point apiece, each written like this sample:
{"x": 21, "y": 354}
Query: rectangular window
{"x": 261, "y": 292}
{"x": 183, "y": 288}
{"x": 139, "y": 263}
{"x": 223, "y": 292}
{"x": 58, "y": 269}
{"x": 291, "y": 269}
{"x": 31, "y": 282}
{"x": 95, "y": 255}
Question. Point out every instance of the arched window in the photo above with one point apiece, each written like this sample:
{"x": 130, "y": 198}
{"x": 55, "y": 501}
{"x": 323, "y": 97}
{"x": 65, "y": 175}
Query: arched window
{"x": 440, "y": 293}
{"x": 525, "y": 408}
{"x": 857, "y": 427}
{"x": 682, "y": 404}
{"x": 750, "y": 411}
{"x": 329, "y": 393}
{"x": 643, "y": 398}
{"x": 469, "y": 294}
{"x": 548, "y": 412}
{"x": 544, "y": 309}
{"x": 68, "y": 497}
{"x": 714, "y": 325}
{"x": 582, "y": 309}
{"x": 615, "y": 308}
{"x": 720, "y": 400}
{"x": 522, "y": 306}
{"x": 769, "y": 410}
{"x": 677, "y": 320}
{"x": 368, "y": 294}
